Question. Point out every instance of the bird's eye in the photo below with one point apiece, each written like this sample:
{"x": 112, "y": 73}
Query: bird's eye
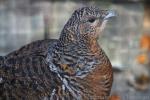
{"x": 91, "y": 20}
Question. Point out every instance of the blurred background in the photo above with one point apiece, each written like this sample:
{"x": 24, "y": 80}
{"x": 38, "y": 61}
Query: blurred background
{"x": 126, "y": 39}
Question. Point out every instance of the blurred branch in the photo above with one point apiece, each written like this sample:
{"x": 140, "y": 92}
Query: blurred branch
{"x": 147, "y": 17}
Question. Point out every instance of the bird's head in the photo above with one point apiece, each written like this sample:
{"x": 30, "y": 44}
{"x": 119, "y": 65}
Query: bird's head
{"x": 85, "y": 24}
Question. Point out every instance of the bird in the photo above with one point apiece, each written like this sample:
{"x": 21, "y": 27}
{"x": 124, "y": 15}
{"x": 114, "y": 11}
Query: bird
{"x": 72, "y": 67}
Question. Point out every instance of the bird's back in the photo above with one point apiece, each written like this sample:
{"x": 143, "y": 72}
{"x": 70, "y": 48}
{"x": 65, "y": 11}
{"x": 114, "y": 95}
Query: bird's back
{"x": 36, "y": 47}
{"x": 25, "y": 74}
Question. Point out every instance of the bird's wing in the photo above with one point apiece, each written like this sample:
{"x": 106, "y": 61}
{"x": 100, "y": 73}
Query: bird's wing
{"x": 25, "y": 77}
{"x": 25, "y": 72}
{"x": 37, "y": 47}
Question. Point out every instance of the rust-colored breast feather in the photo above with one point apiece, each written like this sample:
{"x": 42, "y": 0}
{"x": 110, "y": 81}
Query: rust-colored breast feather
{"x": 98, "y": 83}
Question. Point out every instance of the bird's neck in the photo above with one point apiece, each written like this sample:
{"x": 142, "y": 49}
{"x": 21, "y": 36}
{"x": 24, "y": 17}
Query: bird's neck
{"x": 90, "y": 46}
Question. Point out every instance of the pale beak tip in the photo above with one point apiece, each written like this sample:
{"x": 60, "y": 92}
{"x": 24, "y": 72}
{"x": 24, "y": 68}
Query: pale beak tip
{"x": 110, "y": 14}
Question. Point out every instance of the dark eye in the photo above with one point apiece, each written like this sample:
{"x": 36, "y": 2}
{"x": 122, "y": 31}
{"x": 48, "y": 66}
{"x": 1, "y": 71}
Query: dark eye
{"x": 91, "y": 20}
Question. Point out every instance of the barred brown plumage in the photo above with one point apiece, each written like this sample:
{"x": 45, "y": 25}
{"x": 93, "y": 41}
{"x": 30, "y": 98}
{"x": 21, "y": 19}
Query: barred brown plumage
{"x": 74, "y": 67}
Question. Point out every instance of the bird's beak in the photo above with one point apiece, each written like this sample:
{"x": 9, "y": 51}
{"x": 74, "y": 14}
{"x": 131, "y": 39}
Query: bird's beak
{"x": 110, "y": 14}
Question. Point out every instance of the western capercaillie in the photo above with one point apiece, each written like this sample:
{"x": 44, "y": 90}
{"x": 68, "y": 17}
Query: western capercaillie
{"x": 73, "y": 67}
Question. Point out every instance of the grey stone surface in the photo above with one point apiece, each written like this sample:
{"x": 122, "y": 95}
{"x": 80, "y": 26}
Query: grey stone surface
{"x": 127, "y": 92}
